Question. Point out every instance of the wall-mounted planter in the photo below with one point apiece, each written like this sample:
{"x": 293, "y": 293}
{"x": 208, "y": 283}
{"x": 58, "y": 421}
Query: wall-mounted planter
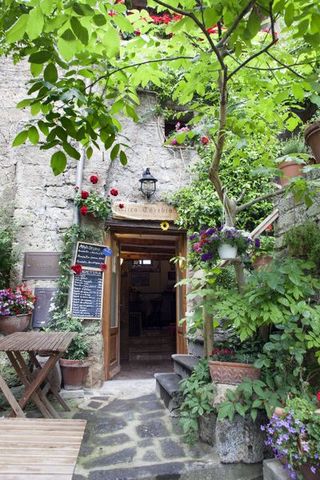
{"x": 312, "y": 138}
{"x": 290, "y": 169}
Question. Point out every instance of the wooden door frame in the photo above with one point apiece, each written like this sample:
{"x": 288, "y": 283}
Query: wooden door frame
{"x": 142, "y": 229}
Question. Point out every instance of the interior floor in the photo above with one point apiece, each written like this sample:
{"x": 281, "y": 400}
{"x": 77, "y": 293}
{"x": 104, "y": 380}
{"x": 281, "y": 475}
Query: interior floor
{"x": 143, "y": 370}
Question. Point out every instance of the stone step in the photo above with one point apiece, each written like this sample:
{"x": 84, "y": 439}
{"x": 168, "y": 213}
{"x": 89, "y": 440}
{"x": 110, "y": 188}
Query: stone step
{"x": 167, "y": 389}
{"x": 183, "y": 365}
{"x": 162, "y": 347}
{"x": 180, "y": 470}
{"x": 149, "y": 356}
{"x": 273, "y": 470}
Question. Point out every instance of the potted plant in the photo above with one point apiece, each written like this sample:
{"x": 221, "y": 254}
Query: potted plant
{"x": 312, "y": 138}
{"x": 225, "y": 243}
{"x": 16, "y": 305}
{"x": 93, "y": 204}
{"x": 263, "y": 255}
{"x": 294, "y": 156}
{"x": 231, "y": 367}
{"x": 294, "y": 437}
{"x": 74, "y": 365}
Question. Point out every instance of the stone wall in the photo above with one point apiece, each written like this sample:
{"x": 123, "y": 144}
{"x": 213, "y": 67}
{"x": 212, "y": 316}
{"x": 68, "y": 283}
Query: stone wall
{"x": 42, "y": 204}
{"x": 292, "y": 213}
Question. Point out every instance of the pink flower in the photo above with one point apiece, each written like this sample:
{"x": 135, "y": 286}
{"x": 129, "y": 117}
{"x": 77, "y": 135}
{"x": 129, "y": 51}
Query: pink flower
{"x": 174, "y": 142}
{"x": 137, "y": 33}
{"x": 318, "y": 396}
{"x": 112, "y": 13}
{"x": 114, "y": 192}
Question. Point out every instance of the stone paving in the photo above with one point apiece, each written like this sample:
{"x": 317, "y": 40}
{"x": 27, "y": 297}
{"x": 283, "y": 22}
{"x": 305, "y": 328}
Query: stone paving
{"x": 130, "y": 435}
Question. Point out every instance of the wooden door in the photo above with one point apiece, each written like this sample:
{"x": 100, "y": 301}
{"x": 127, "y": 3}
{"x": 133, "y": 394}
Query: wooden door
{"x": 181, "y": 300}
{"x": 111, "y": 325}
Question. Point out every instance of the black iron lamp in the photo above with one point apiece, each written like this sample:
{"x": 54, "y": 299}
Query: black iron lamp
{"x": 148, "y": 183}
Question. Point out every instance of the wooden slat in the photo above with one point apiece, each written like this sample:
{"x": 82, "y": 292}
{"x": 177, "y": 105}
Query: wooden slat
{"x": 39, "y": 449}
{"x": 37, "y": 341}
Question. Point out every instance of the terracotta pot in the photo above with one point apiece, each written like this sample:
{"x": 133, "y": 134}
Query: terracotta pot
{"x": 262, "y": 261}
{"x": 14, "y": 323}
{"x": 74, "y": 373}
{"x": 290, "y": 169}
{"x": 232, "y": 373}
{"x": 307, "y": 473}
{"x": 312, "y": 138}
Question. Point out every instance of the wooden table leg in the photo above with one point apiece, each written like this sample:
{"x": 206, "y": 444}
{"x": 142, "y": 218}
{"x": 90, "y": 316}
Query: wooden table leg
{"x": 54, "y": 390}
{"x": 26, "y": 382}
{"x": 9, "y": 396}
{"x": 32, "y": 385}
{"x": 30, "y": 377}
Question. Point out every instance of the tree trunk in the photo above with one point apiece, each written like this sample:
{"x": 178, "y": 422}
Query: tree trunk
{"x": 208, "y": 333}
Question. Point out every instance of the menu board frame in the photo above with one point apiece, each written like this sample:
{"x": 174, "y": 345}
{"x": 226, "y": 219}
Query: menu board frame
{"x": 96, "y": 245}
{"x": 88, "y": 268}
{"x": 85, "y": 270}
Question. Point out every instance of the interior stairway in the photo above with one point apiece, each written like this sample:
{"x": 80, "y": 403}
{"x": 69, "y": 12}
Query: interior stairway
{"x": 153, "y": 345}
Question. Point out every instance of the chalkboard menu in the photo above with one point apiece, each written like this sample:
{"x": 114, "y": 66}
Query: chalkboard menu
{"x": 87, "y": 294}
{"x": 90, "y": 255}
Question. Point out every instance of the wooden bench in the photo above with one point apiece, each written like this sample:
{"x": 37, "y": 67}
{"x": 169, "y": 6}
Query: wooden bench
{"x": 39, "y": 449}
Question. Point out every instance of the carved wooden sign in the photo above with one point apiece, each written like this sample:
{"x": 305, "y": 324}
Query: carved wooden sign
{"x": 144, "y": 211}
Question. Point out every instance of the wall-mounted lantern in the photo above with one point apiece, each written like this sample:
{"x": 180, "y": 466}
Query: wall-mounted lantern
{"x": 148, "y": 184}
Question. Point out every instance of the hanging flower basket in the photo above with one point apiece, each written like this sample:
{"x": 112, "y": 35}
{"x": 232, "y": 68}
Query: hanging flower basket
{"x": 227, "y": 251}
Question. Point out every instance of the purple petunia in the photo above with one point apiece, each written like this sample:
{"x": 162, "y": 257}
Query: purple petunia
{"x": 257, "y": 242}
{"x": 206, "y": 256}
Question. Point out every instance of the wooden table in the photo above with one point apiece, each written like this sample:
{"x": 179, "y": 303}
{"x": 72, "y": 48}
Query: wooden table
{"x": 39, "y": 449}
{"x": 36, "y": 383}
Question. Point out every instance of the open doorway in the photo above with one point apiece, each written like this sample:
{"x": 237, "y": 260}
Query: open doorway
{"x": 147, "y": 316}
{"x": 143, "y": 310}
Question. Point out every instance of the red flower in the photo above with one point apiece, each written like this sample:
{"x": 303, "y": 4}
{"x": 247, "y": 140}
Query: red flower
{"x": 77, "y": 268}
{"x": 114, "y": 192}
{"x": 121, "y": 205}
{"x": 212, "y": 30}
{"x": 269, "y": 228}
{"x": 112, "y": 13}
{"x": 103, "y": 266}
{"x": 137, "y": 33}
{"x": 318, "y": 396}
{"x": 94, "y": 179}
{"x": 204, "y": 140}
{"x": 120, "y": 1}
{"x": 84, "y": 194}
{"x": 84, "y": 210}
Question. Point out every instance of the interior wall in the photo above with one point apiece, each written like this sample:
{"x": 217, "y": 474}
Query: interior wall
{"x": 147, "y": 303}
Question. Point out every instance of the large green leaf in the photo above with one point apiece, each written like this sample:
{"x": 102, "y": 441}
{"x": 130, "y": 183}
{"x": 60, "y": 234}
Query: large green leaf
{"x": 50, "y": 73}
{"x": 35, "y": 23}
{"x": 20, "y": 138}
{"x": 40, "y": 57}
{"x": 18, "y": 29}
{"x": 58, "y": 162}
{"x": 80, "y": 31}
{"x": 33, "y": 135}
{"x": 111, "y": 40}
